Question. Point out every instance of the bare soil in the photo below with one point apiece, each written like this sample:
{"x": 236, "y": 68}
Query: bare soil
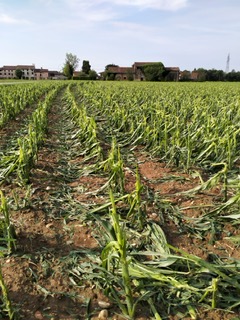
{"x": 51, "y": 237}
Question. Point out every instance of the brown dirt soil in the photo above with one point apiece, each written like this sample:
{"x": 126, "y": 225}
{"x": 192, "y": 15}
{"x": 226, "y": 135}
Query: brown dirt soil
{"x": 49, "y": 238}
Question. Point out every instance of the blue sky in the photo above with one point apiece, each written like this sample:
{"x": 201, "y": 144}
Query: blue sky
{"x": 185, "y": 33}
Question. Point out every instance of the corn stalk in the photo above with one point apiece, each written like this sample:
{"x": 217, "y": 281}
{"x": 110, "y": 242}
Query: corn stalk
{"x": 8, "y": 228}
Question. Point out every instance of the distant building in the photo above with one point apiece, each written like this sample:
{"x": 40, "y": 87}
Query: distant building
{"x": 136, "y": 72}
{"x": 30, "y": 72}
{"x": 173, "y": 73}
{"x": 76, "y": 74}
{"x": 9, "y": 72}
{"x": 41, "y": 74}
{"x": 118, "y": 73}
{"x": 186, "y": 75}
{"x": 194, "y": 75}
{"x": 56, "y": 75}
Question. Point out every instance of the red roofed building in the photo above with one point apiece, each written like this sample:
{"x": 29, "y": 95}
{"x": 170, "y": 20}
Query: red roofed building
{"x": 118, "y": 73}
{"x": 135, "y": 72}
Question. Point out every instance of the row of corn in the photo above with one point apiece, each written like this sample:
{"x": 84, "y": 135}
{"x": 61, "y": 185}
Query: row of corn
{"x": 20, "y": 162}
{"x": 15, "y": 98}
{"x": 21, "y": 158}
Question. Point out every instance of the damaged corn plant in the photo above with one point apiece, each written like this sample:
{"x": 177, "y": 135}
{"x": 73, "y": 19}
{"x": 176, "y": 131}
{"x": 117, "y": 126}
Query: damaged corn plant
{"x": 141, "y": 267}
{"x": 21, "y": 157}
{"x": 117, "y": 131}
{"x": 8, "y": 246}
{"x": 185, "y": 135}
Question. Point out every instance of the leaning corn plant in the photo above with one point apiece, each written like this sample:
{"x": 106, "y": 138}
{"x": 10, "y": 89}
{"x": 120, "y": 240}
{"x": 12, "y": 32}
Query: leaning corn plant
{"x": 114, "y": 165}
{"x": 136, "y": 212}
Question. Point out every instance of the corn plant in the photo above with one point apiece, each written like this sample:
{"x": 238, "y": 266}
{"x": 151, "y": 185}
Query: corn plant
{"x": 87, "y": 132}
{"x": 178, "y": 122}
{"x": 7, "y": 228}
{"x": 114, "y": 166}
{"x": 137, "y": 212}
{"x": 7, "y": 304}
{"x": 23, "y": 159}
{"x": 164, "y": 280}
{"x": 15, "y": 98}
{"x": 115, "y": 252}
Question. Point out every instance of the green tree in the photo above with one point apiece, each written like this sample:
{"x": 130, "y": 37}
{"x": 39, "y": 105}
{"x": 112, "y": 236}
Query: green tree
{"x": 68, "y": 70}
{"x": 71, "y": 63}
{"x": 110, "y": 65}
{"x": 86, "y": 66}
{"x": 130, "y": 75}
{"x": 19, "y": 73}
{"x": 215, "y": 75}
{"x": 233, "y": 76}
{"x": 202, "y": 73}
{"x": 92, "y": 75}
{"x": 154, "y": 71}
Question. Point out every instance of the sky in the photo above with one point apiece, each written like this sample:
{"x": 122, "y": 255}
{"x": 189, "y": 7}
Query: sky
{"x": 179, "y": 33}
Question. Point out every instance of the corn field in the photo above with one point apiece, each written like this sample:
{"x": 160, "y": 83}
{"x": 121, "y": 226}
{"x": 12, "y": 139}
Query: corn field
{"x": 120, "y": 200}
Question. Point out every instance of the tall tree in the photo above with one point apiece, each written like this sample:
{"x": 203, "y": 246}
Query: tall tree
{"x": 71, "y": 63}
{"x": 19, "y": 73}
{"x": 154, "y": 71}
{"x": 92, "y": 75}
{"x": 68, "y": 70}
{"x": 86, "y": 67}
{"x": 202, "y": 74}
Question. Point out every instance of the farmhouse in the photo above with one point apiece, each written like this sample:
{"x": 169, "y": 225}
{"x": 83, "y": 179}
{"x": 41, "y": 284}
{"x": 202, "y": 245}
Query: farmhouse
{"x": 120, "y": 73}
{"x": 136, "y": 72}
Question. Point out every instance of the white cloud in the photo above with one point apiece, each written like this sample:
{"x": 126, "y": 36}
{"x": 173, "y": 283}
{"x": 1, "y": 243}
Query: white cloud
{"x": 6, "y": 19}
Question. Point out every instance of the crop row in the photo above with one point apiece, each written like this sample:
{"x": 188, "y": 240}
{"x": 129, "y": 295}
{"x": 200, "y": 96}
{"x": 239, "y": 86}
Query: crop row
{"x": 15, "y": 98}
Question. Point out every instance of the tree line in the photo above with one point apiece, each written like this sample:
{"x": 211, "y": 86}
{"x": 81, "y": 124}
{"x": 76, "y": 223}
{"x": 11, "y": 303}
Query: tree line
{"x": 202, "y": 74}
{"x": 152, "y": 72}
